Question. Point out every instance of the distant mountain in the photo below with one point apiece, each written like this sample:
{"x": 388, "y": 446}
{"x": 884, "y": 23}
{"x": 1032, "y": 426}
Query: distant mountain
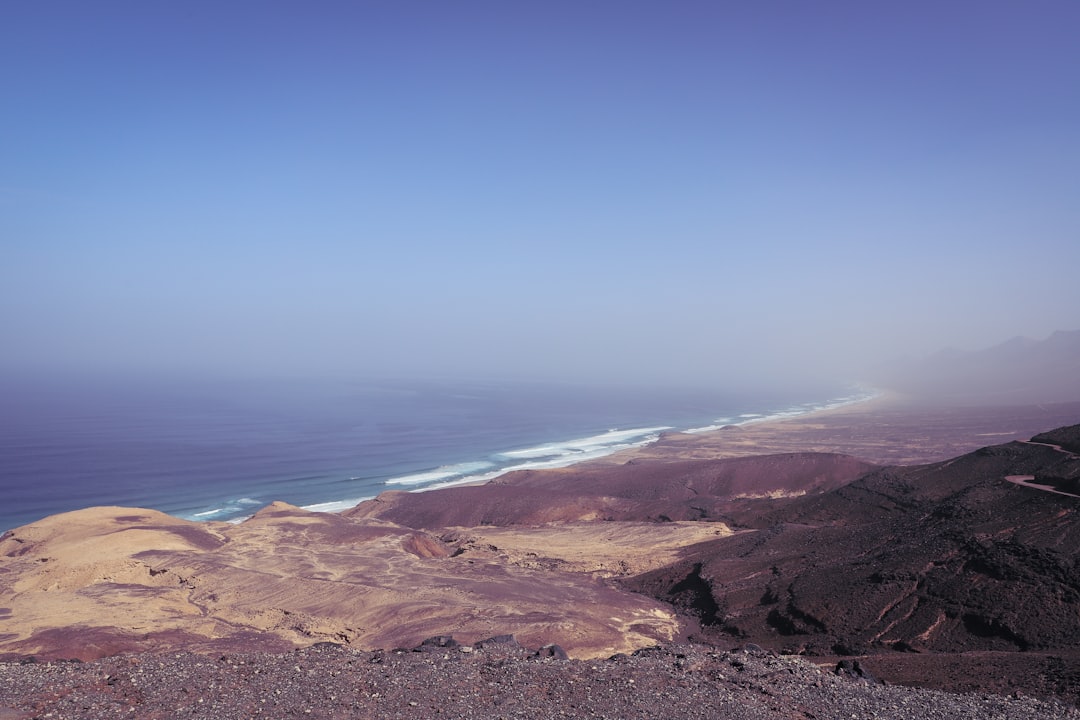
{"x": 1020, "y": 370}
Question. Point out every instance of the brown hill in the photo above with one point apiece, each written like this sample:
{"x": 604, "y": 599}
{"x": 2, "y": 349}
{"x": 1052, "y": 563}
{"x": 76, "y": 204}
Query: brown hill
{"x": 953, "y": 556}
{"x": 645, "y": 491}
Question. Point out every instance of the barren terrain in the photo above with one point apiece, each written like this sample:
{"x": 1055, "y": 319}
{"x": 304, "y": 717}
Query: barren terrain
{"x": 887, "y": 534}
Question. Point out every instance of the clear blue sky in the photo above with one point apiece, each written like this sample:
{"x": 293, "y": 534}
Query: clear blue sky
{"x": 631, "y": 191}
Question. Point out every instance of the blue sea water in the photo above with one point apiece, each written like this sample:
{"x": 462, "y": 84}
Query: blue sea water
{"x": 220, "y": 450}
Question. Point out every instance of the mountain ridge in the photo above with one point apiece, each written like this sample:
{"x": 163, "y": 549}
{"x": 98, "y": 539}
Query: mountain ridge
{"x": 1018, "y": 370}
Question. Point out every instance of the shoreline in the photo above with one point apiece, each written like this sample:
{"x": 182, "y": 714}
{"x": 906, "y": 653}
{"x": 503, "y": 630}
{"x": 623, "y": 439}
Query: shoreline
{"x": 583, "y": 431}
{"x": 762, "y": 419}
{"x": 879, "y": 426}
{"x": 591, "y": 450}
{"x": 887, "y": 429}
{"x": 593, "y": 558}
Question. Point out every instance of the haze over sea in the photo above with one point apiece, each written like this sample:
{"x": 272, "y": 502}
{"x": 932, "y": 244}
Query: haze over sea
{"x": 621, "y": 194}
{"x": 219, "y": 451}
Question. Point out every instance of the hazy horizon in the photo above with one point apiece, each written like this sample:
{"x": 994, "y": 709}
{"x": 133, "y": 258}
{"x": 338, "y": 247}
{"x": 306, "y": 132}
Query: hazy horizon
{"x": 690, "y": 193}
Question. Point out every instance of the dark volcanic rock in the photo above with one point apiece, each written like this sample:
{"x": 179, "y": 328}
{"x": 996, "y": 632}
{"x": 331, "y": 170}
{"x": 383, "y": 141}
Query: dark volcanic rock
{"x": 552, "y": 651}
{"x": 1067, "y": 437}
{"x": 946, "y": 557}
{"x": 854, "y": 669}
{"x": 438, "y": 642}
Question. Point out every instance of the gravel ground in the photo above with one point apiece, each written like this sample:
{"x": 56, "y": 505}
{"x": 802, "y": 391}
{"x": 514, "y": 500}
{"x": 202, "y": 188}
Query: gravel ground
{"x": 491, "y": 680}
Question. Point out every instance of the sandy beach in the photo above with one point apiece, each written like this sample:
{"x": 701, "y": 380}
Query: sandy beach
{"x": 889, "y": 429}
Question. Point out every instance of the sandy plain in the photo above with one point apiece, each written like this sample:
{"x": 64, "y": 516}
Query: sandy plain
{"x": 889, "y": 429}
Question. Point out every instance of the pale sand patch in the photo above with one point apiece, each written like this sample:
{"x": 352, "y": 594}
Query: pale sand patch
{"x": 143, "y": 580}
{"x": 606, "y": 549}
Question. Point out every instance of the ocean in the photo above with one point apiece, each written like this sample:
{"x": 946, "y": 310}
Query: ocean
{"x": 221, "y": 450}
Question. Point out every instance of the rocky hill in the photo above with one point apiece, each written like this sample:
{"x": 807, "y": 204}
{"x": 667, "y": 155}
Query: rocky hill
{"x": 1020, "y": 370}
{"x": 974, "y": 554}
{"x": 948, "y": 557}
{"x": 635, "y": 491}
{"x": 960, "y": 574}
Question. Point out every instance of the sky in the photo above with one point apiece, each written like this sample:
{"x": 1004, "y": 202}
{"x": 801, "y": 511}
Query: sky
{"x": 635, "y": 192}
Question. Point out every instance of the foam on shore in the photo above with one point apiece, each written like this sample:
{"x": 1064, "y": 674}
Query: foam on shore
{"x": 542, "y": 456}
{"x": 572, "y": 452}
{"x": 537, "y": 457}
{"x": 787, "y": 414}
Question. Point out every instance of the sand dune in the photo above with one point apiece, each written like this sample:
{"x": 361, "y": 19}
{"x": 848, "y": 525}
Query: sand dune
{"x": 103, "y": 580}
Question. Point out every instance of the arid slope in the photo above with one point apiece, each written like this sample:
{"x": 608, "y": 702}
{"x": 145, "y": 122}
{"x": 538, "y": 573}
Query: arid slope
{"x": 106, "y": 580}
{"x": 972, "y": 559}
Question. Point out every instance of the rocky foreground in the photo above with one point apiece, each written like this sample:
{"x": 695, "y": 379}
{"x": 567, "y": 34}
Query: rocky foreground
{"x": 496, "y": 679}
